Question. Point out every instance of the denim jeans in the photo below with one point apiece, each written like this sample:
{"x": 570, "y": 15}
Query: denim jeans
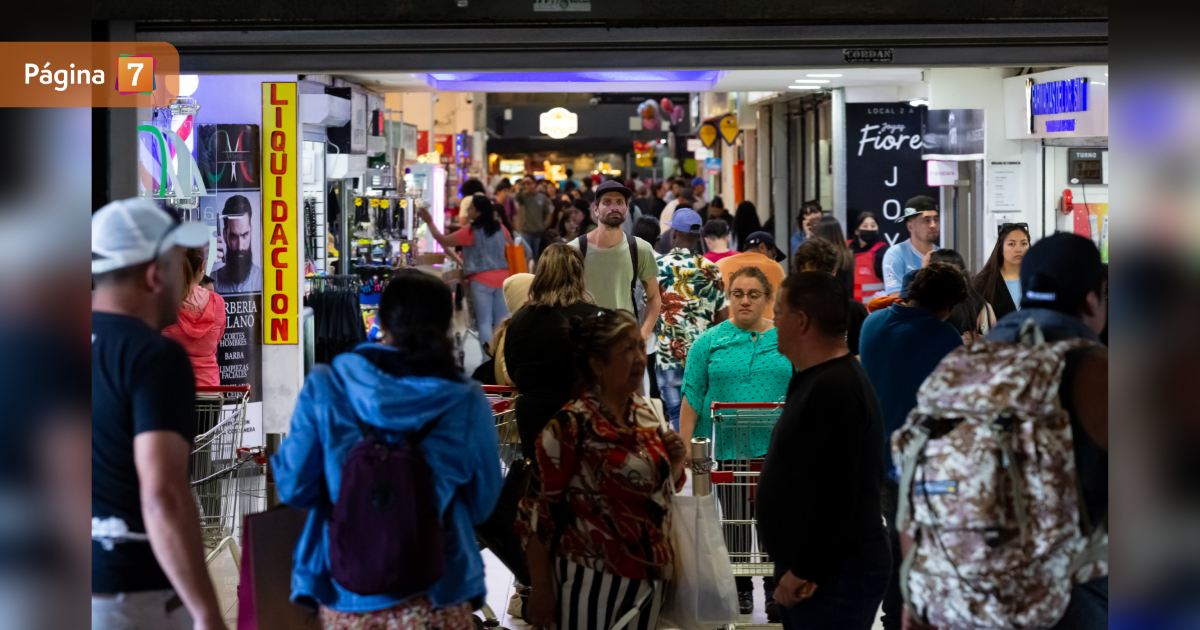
{"x": 489, "y": 309}
{"x": 535, "y": 243}
{"x": 670, "y": 386}
{"x": 845, "y": 601}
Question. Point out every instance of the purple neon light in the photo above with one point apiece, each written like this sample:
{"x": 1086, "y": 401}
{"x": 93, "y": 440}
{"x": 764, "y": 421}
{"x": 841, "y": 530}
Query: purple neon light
{"x": 614, "y": 81}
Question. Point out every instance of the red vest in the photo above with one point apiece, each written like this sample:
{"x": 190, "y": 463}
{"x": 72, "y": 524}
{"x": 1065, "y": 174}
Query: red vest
{"x": 866, "y": 283}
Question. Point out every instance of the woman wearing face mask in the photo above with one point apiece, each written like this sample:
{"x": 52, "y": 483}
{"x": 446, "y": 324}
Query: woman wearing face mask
{"x": 868, "y": 249}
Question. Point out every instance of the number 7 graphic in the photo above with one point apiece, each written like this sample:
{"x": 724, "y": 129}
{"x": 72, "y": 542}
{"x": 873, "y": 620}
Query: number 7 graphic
{"x": 129, "y": 73}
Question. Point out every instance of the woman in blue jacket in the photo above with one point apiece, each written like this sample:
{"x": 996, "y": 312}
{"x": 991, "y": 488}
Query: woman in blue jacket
{"x": 397, "y": 386}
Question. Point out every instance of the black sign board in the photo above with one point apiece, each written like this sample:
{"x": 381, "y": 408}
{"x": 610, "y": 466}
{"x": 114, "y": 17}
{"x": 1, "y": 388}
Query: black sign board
{"x": 954, "y": 134}
{"x": 884, "y": 168}
{"x": 869, "y": 55}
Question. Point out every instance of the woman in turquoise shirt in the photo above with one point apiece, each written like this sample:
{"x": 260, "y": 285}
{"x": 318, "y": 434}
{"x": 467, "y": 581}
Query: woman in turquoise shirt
{"x": 736, "y": 361}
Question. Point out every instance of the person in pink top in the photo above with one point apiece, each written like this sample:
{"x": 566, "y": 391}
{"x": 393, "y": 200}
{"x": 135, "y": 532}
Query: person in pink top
{"x": 201, "y": 323}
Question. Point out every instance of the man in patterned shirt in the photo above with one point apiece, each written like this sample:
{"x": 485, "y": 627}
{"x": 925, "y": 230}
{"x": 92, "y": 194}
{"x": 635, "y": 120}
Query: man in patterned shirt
{"x": 693, "y": 299}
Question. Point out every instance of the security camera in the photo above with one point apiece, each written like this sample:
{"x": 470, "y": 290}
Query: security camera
{"x": 595, "y": 100}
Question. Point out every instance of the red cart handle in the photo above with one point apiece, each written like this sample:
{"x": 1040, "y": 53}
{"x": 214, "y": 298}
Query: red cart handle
{"x": 499, "y": 389}
{"x": 223, "y": 389}
{"x": 721, "y": 476}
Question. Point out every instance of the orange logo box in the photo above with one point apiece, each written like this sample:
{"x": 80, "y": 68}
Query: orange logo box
{"x": 96, "y": 74}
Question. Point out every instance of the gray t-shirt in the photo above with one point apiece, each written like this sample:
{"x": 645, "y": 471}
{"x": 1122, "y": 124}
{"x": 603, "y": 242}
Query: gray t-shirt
{"x": 607, "y": 273}
{"x": 532, "y": 211}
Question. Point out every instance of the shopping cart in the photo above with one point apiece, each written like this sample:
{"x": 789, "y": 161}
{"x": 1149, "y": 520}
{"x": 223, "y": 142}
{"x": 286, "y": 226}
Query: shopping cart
{"x": 497, "y": 534}
{"x": 503, "y": 400}
{"x": 736, "y": 480}
{"x": 217, "y": 453}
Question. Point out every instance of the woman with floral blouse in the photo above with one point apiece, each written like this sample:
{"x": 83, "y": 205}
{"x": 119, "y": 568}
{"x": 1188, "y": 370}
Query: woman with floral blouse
{"x": 596, "y": 520}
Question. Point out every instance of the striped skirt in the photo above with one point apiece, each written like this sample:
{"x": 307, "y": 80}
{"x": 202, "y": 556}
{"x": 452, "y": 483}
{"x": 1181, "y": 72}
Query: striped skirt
{"x": 591, "y": 600}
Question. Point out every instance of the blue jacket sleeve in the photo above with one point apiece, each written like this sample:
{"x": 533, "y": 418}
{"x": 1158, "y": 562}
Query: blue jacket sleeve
{"x": 298, "y": 467}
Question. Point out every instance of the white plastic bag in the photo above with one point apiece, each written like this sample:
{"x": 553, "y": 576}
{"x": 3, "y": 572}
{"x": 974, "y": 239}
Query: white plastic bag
{"x": 703, "y": 594}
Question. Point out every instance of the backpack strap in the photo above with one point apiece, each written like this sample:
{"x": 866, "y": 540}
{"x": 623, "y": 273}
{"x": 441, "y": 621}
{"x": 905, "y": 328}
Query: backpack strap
{"x": 416, "y": 437}
{"x": 633, "y": 255}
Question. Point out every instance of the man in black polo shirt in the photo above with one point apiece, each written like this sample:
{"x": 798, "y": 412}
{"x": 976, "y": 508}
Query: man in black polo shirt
{"x": 819, "y": 494}
{"x": 148, "y": 568}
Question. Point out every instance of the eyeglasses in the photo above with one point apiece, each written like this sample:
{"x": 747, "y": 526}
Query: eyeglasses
{"x": 1024, "y": 227}
{"x": 754, "y": 296}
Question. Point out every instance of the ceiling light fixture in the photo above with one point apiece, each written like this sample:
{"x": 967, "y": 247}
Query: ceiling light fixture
{"x": 804, "y": 87}
{"x": 917, "y": 102}
{"x": 832, "y": 76}
{"x": 812, "y": 80}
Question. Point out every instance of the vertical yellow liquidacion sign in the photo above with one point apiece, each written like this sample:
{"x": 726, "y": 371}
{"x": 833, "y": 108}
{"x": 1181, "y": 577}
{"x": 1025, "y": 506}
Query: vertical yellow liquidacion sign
{"x": 281, "y": 284}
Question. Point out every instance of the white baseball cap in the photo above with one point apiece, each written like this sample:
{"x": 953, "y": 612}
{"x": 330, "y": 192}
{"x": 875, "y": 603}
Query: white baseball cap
{"x": 133, "y": 231}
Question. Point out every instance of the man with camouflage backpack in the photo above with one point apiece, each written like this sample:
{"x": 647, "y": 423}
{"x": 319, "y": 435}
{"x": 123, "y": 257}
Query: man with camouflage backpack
{"x": 1004, "y": 484}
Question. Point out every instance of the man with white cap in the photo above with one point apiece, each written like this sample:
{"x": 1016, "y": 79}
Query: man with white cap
{"x": 148, "y": 567}
{"x": 921, "y": 218}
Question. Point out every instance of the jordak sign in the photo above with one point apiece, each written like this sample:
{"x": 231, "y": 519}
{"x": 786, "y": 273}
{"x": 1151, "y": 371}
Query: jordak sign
{"x": 558, "y": 123}
{"x": 281, "y": 284}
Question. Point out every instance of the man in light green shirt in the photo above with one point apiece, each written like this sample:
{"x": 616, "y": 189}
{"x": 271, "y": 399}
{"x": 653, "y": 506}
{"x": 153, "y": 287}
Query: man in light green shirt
{"x": 608, "y": 266}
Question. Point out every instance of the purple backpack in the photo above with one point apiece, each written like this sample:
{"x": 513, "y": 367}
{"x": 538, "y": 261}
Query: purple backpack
{"x": 384, "y": 534}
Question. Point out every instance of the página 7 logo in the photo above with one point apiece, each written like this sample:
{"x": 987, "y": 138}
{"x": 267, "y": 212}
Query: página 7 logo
{"x": 62, "y": 77}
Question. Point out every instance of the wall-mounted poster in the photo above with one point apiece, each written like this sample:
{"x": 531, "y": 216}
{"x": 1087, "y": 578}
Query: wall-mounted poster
{"x": 229, "y": 156}
{"x": 883, "y": 164}
{"x": 954, "y": 134}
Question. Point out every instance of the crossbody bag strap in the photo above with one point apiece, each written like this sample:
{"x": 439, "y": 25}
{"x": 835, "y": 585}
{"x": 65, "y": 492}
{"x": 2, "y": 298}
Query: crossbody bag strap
{"x": 582, "y": 240}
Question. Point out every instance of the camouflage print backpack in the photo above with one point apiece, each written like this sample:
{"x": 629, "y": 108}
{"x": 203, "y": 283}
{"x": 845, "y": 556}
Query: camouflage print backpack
{"x": 989, "y": 493}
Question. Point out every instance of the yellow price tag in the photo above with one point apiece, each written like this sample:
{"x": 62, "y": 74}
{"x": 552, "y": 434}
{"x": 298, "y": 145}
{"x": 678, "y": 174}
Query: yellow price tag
{"x": 403, "y": 203}
{"x": 374, "y": 203}
{"x": 385, "y": 204}
{"x": 404, "y": 247}
{"x": 358, "y": 201}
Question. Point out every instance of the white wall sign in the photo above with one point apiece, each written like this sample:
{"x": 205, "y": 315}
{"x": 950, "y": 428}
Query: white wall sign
{"x": 940, "y": 173}
{"x": 1067, "y": 103}
{"x": 558, "y": 123}
{"x": 1004, "y": 186}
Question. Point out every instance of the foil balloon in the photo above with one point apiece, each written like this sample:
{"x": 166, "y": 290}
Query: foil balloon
{"x": 648, "y": 109}
{"x": 677, "y": 114}
{"x": 667, "y": 106}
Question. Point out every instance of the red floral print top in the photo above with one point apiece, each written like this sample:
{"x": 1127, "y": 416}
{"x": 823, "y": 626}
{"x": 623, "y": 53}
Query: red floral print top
{"x": 614, "y": 479}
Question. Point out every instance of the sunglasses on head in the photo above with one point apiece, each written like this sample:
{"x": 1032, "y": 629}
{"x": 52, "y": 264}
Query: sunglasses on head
{"x": 1024, "y": 227}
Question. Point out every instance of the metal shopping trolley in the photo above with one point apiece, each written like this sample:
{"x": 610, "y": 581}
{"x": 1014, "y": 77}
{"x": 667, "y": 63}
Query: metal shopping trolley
{"x": 503, "y": 400}
{"x": 216, "y": 455}
{"x": 497, "y": 533}
{"x": 736, "y": 480}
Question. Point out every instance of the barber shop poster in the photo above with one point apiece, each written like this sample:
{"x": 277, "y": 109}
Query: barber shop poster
{"x": 884, "y": 168}
{"x": 229, "y": 161}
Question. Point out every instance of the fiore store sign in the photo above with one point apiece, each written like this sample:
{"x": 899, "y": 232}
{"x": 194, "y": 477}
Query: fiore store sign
{"x": 281, "y": 284}
{"x": 1067, "y": 103}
